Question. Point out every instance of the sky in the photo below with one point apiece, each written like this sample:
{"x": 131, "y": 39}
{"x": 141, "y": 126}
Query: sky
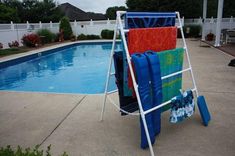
{"x": 98, "y": 6}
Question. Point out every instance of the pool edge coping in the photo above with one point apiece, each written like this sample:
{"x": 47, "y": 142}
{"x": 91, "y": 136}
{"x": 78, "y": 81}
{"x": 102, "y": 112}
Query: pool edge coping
{"x": 41, "y": 50}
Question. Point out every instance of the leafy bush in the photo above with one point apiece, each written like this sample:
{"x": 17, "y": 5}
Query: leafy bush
{"x": 31, "y": 40}
{"x": 88, "y": 37}
{"x": 107, "y": 34}
{"x": 73, "y": 38}
{"x": 1, "y": 45}
{"x": 82, "y": 37}
{"x": 192, "y": 30}
{"x": 49, "y": 36}
{"x": 8, "y": 151}
{"x": 104, "y": 33}
{"x": 13, "y": 44}
{"x": 57, "y": 37}
{"x": 65, "y": 27}
{"x": 92, "y": 37}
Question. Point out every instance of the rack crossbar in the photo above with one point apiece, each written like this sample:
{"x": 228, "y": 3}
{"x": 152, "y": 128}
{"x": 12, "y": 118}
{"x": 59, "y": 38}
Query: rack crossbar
{"x": 127, "y": 30}
{"x": 161, "y": 105}
{"x": 113, "y": 91}
{"x": 176, "y": 73}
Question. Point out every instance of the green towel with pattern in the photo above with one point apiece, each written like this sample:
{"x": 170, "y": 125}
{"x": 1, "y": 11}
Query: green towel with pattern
{"x": 171, "y": 61}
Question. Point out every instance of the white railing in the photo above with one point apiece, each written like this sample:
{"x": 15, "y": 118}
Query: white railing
{"x": 15, "y": 31}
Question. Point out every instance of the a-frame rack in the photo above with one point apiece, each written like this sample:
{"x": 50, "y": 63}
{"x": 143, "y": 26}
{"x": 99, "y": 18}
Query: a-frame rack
{"x": 119, "y": 27}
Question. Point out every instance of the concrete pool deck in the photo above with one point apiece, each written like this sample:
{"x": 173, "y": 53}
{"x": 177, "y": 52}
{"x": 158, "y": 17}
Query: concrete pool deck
{"x": 70, "y": 122}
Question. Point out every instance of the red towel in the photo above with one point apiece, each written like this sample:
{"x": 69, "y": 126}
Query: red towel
{"x": 155, "y": 39}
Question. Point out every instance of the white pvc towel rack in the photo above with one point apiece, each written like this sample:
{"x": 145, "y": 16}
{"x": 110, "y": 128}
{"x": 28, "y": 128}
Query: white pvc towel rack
{"x": 119, "y": 27}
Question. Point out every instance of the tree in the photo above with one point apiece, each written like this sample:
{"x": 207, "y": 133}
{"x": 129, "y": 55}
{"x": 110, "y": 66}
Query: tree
{"x": 48, "y": 11}
{"x": 187, "y": 8}
{"x": 66, "y": 27}
{"x": 111, "y": 11}
{"x": 35, "y": 10}
{"x": 229, "y": 8}
{"x": 8, "y": 14}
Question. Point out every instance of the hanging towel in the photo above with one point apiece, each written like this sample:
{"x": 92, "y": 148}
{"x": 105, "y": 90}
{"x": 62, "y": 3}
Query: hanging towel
{"x": 155, "y": 39}
{"x": 171, "y": 61}
{"x": 149, "y": 19}
{"x": 144, "y": 20}
{"x": 156, "y": 85}
{"x": 126, "y": 90}
{"x": 182, "y": 106}
{"x": 127, "y": 103}
{"x": 143, "y": 77}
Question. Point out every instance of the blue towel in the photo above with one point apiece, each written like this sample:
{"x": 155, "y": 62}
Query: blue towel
{"x": 156, "y": 84}
{"x": 149, "y": 20}
{"x": 143, "y": 77}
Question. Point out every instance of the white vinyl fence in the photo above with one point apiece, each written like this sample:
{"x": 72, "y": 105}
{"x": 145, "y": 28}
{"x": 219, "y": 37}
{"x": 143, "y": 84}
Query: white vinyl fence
{"x": 210, "y": 24}
{"x": 13, "y": 31}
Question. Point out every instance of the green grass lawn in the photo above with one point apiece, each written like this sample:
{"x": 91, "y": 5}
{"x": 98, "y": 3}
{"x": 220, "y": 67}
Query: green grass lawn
{"x": 10, "y": 51}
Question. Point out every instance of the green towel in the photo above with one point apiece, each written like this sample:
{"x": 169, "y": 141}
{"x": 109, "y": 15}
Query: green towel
{"x": 171, "y": 61}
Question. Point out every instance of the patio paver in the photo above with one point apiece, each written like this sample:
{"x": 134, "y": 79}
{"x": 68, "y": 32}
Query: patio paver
{"x": 26, "y": 119}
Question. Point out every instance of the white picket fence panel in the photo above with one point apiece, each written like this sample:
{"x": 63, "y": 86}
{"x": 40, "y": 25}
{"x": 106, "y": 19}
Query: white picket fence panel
{"x": 15, "y": 31}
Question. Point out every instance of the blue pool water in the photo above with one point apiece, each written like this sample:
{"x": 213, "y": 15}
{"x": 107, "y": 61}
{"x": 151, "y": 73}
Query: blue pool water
{"x": 81, "y": 68}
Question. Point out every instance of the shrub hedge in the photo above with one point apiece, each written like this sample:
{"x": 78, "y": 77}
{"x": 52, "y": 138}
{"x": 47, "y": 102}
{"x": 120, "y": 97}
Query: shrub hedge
{"x": 107, "y": 34}
{"x": 48, "y": 35}
{"x": 191, "y": 31}
{"x": 88, "y": 37}
{"x": 31, "y": 40}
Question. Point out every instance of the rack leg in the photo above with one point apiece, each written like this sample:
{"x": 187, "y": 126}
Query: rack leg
{"x": 187, "y": 54}
{"x": 109, "y": 71}
{"x": 135, "y": 86}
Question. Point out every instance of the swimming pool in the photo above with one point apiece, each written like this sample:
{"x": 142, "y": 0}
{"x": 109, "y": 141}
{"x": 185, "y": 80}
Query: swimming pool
{"x": 79, "y": 68}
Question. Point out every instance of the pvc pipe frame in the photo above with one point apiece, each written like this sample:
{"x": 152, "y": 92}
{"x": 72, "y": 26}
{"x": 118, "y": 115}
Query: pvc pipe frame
{"x": 119, "y": 26}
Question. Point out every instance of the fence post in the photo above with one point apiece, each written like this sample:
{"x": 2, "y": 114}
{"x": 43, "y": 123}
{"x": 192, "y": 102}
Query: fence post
{"x": 231, "y": 22}
{"x": 200, "y": 21}
{"x": 12, "y": 26}
{"x": 91, "y": 22}
{"x": 27, "y": 24}
{"x": 51, "y": 25}
{"x": 182, "y": 21}
{"x": 75, "y": 27}
{"x": 40, "y": 24}
{"x": 108, "y": 22}
{"x": 212, "y": 20}
{"x": 201, "y": 30}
